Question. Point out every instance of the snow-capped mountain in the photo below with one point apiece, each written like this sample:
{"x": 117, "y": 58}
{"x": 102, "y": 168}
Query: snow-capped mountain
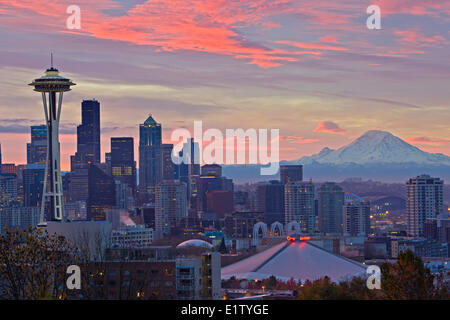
{"x": 377, "y": 155}
{"x": 376, "y": 147}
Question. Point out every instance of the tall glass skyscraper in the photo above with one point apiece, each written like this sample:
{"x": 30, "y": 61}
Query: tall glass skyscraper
{"x": 37, "y": 148}
{"x": 88, "y": 150}
{"x": 88, "y": 134}
{"x": 150, "y": 154}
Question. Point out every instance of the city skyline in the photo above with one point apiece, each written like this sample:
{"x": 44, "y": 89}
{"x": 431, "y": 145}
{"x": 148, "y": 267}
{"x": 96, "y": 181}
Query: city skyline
{"x": 332, "y": 78}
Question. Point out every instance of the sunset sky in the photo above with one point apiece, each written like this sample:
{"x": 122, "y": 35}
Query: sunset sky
{"x": 310, "y": 68}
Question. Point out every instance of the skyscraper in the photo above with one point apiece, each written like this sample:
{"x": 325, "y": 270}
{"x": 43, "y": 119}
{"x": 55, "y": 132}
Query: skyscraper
{"x": 88, "y": 134}
{"x": 37, "y": 148}
{"x": 331, "y": 200}
{"x": 291, "y": 173}
{"x": 51, "y": 85}
{"x": 102, "y": 194}
{"x": 424, "y": 200}
{"x": 150, "y": 157}
{"x": 170, "y": 206}
{"x": 88, "y": 149}
{"x": 299, "y": 205}
{"x": 123, "y": 166}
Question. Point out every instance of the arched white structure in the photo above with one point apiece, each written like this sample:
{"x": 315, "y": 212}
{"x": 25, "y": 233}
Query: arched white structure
{"x": 293, "y": 225}
{"x": 256, "y": 228}
{"x": 276, "y": 226}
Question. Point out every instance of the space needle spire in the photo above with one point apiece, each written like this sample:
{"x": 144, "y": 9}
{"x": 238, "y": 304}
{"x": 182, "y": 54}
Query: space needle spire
{"x": 52, "y": 86}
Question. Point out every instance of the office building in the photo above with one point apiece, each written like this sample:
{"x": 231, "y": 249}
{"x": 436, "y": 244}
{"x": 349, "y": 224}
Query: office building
{"x": 88, "y": 150}
{"x": 123, "y": 166}
{"x": 88, "y": 135}
{"x": 33, "y": 183}
{"x": 168, "y": 168}
{"x": 102, "y": 194}
{"x": 37, "y": 148}
{"x": 150, "y": 154}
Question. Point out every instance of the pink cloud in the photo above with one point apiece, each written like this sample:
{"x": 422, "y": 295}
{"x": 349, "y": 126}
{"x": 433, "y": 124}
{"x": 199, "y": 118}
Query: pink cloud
{"x": 413, "y": 7}
{"x": 418, "y": 39}
{"x": 329, "y": 127}
{"x": 328, "y": 39}
{"x": 213, "y": 26}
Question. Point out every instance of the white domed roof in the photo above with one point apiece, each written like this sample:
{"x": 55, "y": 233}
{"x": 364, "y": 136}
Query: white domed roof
{"x": 195, "y": 243}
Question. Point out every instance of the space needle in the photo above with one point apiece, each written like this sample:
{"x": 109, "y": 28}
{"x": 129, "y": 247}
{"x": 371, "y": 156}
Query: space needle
{"x": 52, "y": 85}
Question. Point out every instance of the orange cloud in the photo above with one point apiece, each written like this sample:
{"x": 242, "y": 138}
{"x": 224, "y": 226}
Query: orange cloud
{"x": 329, "y": 127}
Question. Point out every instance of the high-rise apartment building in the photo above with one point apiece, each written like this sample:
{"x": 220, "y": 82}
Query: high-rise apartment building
{"x": 424, "y": 200}
{"x": 356, "y": 216}
{"x": 299, "y": 205}
{"x": 331, "y": 201}
{"x": 170, "y": 206}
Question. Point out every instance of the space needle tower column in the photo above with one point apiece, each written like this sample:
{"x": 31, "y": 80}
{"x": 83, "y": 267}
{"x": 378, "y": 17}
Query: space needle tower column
{"x": 52, "y": 86}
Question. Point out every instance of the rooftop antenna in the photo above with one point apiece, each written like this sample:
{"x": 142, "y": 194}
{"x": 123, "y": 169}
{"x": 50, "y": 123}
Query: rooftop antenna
{"x": 51, "y": 59}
